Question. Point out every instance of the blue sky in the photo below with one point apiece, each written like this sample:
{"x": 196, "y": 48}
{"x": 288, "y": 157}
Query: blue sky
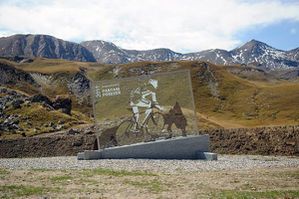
{"x": 183, "y": 26}
{"x": 282, "y": 35}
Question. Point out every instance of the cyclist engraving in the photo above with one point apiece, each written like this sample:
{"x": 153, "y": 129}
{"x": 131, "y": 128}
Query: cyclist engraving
{"x": 144, "y": 97}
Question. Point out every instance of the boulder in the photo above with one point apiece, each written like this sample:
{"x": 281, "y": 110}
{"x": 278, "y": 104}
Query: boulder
{"x": 39, "y": 98}
{"x": 16, "y": 104}
{"x": 73, "y": 132}
{"x": 63, "y": 103}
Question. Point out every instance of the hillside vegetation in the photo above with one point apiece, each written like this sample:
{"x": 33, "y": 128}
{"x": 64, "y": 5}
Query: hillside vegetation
{"x": 225, "y": 96}
{"x": 223, "y": 99}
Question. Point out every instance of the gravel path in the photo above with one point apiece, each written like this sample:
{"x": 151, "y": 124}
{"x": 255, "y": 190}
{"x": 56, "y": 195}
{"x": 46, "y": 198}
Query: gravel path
{"x": 225, "y": 162}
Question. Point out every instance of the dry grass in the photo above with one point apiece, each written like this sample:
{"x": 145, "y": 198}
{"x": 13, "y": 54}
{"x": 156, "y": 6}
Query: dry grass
{"x": 106, "y": 183}
{"x": 39, "y": 117}
{"x": 240, "y": 102}
{"x": 46, "y": 66}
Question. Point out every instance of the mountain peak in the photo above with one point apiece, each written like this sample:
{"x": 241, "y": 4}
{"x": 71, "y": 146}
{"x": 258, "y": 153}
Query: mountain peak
{"x": 261, "y": 54}
{"x": 255, "y": 43}
{"x": 38, "y": 45}
{"x": 253, "y": 52}
{"x": 98, "y": 43}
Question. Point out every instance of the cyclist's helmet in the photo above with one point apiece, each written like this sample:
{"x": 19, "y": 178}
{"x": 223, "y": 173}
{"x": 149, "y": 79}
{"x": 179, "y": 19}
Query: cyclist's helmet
{"x": 154, "y": 83}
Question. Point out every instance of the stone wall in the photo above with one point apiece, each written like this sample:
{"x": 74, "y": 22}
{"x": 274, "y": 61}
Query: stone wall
{"x": 282, "y": 140}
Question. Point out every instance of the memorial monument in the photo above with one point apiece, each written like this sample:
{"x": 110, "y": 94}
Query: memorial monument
{"x": 150, "y": 116}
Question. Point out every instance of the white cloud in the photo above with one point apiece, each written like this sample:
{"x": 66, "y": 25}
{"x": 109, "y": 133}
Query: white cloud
{"x": 187, "y": 25}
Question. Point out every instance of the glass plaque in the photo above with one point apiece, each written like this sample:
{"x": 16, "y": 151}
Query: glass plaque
{"x": 144, "y": 108}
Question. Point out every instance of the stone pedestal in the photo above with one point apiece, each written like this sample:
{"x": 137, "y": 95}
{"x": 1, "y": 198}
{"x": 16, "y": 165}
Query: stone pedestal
{"x": 189, "y": 147}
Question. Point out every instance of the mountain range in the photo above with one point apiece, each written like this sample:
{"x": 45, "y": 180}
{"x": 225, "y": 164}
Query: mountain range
{"x": 252, "y": 53}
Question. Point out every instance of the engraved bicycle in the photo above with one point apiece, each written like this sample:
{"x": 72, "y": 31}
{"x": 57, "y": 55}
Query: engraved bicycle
{"x": 130, "y": 131}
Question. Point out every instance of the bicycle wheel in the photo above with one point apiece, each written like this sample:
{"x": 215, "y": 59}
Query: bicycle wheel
{"x": 126, "y": 135}
{"x": 155, "y": 124}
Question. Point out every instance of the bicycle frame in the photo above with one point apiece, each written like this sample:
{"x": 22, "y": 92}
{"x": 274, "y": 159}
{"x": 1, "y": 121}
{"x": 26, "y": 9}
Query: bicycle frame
{"x": 150, "y": 116}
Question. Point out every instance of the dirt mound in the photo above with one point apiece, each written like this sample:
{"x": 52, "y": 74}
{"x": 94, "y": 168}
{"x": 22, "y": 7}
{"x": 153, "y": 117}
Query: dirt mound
{"x": 280, "y": 140}
{"x": 47, "y": 146}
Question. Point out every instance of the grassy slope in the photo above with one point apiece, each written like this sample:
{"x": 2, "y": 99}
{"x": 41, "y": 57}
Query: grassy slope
{"x": 248, "y": 103}
{"x": 240, "y": 102}
{"x": 38, "y": 119}
{"x": 23, "y": 87}
{"x": 49, "y": 66}
{"x": 34, "y": 118}
{"x": 60, "y": 71}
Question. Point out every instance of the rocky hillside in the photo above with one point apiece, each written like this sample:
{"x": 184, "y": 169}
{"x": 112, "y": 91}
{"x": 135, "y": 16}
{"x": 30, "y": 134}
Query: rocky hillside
{"x": 30, "y": 46}
{"x": 35, "y": 103}
{"x": 48, "y": 95}
{"x": 253, "y": 53}
{"x": 294, "y": 54}
{"x": 261, "y": 54}
{"x": 106, "y": 52}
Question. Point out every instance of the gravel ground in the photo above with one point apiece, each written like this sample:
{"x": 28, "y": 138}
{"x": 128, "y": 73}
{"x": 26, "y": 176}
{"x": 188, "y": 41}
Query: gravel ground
{"x": 225, "y": 162}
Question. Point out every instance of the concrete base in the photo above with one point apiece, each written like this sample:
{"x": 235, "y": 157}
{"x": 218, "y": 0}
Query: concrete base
{"x": 207, "y": 156}
{"x": 190, "y": 147}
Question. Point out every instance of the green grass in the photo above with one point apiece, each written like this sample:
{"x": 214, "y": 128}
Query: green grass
{"x": 40, "y": 170}
{"x": 62, "y": 178}
{"x": 10, "y": 191}
{"x": 4, "y": 172}
{"x": 152, "y": 185}
{"x": 109, "y": 172}
{"x": 257, "y": 194}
